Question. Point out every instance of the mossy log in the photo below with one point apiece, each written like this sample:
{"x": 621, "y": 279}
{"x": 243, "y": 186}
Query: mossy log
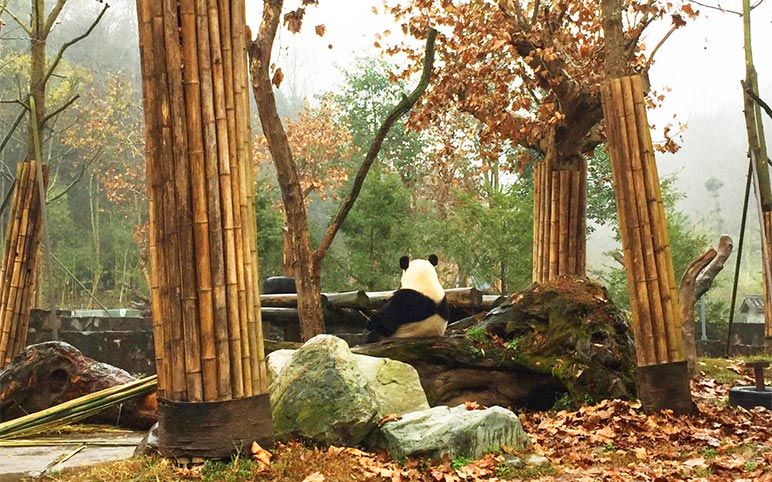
{"x": 562, "y": 340}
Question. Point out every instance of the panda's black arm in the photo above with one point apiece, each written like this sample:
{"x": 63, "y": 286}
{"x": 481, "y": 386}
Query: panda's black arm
{"x": 406, "y": 306}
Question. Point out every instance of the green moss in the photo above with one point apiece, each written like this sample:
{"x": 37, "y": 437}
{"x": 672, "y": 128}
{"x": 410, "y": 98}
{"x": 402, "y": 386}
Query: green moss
{"x": 459, "y": 462}
{"x": 477, "y": 333}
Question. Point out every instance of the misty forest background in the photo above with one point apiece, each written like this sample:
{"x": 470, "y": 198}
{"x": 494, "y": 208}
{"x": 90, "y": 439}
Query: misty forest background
{"x": 430, "y": 191}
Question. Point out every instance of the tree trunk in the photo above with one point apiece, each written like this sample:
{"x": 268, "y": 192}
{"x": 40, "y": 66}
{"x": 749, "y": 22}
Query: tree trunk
{"x": 37, "y": 81}
{"x": 307, "y": 275}
{"x": 695, "y": 283}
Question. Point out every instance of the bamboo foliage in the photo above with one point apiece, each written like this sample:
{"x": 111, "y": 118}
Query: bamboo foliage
{"x": 645, "y": 243}
{"x": 206, "y": 318}
{"x": 559, "y": 242}
{"x": 19, "y": 268}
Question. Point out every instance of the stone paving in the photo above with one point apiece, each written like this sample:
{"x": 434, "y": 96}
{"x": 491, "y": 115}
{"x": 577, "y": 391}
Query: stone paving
{"x": 19, "y": 462}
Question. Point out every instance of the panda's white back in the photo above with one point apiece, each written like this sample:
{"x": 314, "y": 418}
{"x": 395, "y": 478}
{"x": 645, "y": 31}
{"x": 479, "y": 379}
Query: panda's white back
{"x": 421, "y": 276}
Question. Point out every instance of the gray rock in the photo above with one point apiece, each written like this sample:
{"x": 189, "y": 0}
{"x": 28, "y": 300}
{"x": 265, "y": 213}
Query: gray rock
{"x": 538, "y": 461}
{"x": 325, "y": 393}
{"x": 149, "y": 443}
{"x": 514, "y": 461}
{"x": 321, "y": 395}
{"x": 396, "y": 385}
{"x": 453, "y": 432}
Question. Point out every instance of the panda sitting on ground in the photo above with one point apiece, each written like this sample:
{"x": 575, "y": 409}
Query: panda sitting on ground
{"x": 419, "y": 308}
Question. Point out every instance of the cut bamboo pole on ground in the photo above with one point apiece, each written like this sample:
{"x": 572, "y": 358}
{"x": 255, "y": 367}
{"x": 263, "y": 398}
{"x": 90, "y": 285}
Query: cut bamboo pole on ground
{"x": 17, "y": 275}
{"x": 203, "y": 251}
{"x": 662, "y": 373}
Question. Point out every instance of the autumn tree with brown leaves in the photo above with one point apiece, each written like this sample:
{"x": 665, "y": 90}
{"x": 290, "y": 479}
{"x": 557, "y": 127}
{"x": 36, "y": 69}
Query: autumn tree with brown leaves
{"x": 322, "y": 149}
{"x": 530, "y": 71}
{"x": 308, "y": 261}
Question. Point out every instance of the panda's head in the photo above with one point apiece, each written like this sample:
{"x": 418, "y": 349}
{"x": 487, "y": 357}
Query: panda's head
{"x": 420, "y": 275}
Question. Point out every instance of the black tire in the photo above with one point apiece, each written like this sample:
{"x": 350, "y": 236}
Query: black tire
{"x": 748, "y": 397}
{"x": 279, "y": 284}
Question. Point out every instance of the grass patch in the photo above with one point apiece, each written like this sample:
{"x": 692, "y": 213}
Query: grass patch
{"x": 720, "y": 369}
{"x": 526, "y": 473}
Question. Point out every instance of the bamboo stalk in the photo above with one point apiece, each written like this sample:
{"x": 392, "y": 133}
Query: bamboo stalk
{"x": 197, "y": 169}
{"x": 554, "y": 228}
{"x": 582, "y": 217}
{"x": 664, "y": 260}
{"x": 173, "y": 285}
{"x": 545, "y": 224}
{"x": 615, "y": 131}
{"x": 241, "y": 100}
{"x": 226, "y": 200}
{"x": 640, "y": 198}
{"x": 149, "y": 79}
{"x": 183, "y": 215}
{"x": 237, "y": 189}
{"x": 574, "y": 233}
{"x": 537, "y": 207}
{"x": 15, "y": 280}
{"x": 564, "y": 183}
{"x": 175, "y": 373}
{"x": 6, "y": 322}
{"x": 216, "y": 242}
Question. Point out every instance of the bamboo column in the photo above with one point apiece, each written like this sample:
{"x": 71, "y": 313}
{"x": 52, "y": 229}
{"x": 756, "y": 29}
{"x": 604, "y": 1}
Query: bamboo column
{"x": 206, "y": 317}
{"x": 559, "y": 242}
{"x": 17, "y": 273}
{"x": 663, "y": 378}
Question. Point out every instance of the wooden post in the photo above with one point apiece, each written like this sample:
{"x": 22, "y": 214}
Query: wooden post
{"x": 662, "y": 371}
{"x": 209, "y": 347}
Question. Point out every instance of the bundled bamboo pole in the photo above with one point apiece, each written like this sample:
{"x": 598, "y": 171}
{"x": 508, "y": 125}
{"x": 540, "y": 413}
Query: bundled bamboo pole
{"x": 648, "y": 261}
{"x": 17, "y": 274}
{"x": 202, "y": 233}
{"x": 559, "y": 225}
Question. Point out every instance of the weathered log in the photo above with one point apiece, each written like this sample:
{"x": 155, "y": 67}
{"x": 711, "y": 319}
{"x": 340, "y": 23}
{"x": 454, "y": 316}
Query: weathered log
{"x": 695, "y": 282}
{"x": 349, "y": 299}
{"x": 558, "y": 338}
{"x": 284, "y": 300}
{"x": 457, "y": 298}
{"x": 51, "y": 373}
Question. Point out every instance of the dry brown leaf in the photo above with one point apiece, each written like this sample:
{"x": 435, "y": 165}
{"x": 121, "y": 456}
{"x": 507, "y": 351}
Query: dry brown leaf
{"x": 315, "y": 477}
{"x": 260, "y": 454}
{"x": 472, "y": 405}
{"x": 391, "y": 417}
{"x": 278, "y": 76}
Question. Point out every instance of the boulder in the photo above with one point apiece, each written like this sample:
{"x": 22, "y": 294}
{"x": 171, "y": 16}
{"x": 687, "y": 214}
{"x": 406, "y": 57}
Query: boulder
{"x": 323, "y": 392}
{"x": 452, "y": 432}
{"x": 396, "y": 385}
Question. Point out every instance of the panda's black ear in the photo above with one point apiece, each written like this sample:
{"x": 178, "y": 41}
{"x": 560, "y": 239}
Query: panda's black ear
{"x": 433, "y": 259}
{"x": 404, "y": 262}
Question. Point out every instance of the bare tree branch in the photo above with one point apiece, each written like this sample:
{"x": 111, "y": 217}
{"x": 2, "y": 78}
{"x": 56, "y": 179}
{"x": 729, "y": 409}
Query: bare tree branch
{"x": 52, "y": 18}
{"x": 656, "y": 48}
{"x": 82, "y": 170}
{"x": 401, "y": 109}
{"x": 12, "y": 129}
{"x": 18, "y": 21}
{"x": 72, "y": 42}
{"x": 60, "y": 109}
{"x": 756, "y": 98}
{"x": 719, "y": 8}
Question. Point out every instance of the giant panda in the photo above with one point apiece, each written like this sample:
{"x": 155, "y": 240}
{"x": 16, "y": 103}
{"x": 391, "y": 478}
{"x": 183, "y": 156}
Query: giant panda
{"x": 419, "y": 308}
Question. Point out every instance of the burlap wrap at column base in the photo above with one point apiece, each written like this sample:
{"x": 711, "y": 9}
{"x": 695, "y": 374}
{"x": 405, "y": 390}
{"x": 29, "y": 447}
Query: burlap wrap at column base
{"x": 213, "y": 430}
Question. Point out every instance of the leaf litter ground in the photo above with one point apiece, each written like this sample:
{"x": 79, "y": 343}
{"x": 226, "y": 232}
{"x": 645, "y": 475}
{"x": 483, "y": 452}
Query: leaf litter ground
{"x": 609, "y": 441}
